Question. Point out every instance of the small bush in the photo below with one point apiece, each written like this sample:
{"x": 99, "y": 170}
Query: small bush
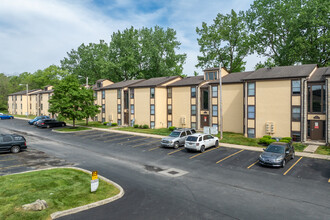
{"x": 145, "y": 126}
{"x": 269, "y": 141}
{"x": 140, "y": 126}
{"x": 135, "y": 126}
{"x": 105, "y": 123}
{"x": 263, "y": 140}
{"x": 267, "y": 136}
{"x": 286, "y": 139}
{"x": 114, "y": 124}
{"x": 172, "y": 128}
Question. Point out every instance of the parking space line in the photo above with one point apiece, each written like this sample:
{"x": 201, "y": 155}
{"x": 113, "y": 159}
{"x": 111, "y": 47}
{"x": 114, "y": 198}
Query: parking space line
{"x": 153, "y": 148}
{"x": 329, "y": 180}
{"x": 134, "y": 140}
{"x": 20, "y": 165}
{"x": 176, "y": 151}
{"x": 292, "y": 166}
{"x": 8, "y": 159}
{"x": 145, "y": 143}
{"x": 229, "y": 156}
{"x": 204, "y": 152}
{"x": 252, "y": 164}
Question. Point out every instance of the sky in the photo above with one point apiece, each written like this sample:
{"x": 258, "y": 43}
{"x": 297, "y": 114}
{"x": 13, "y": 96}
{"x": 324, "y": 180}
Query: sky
{"x": 35, "y": 34}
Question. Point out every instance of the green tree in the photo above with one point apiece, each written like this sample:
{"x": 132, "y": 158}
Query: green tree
{"x": 4, "y": 91}
{"x": 69, "y": 99}
{"x": 225, "y": 41}
{"x": 290, "y": 31}
{"x": 89, "y": 108}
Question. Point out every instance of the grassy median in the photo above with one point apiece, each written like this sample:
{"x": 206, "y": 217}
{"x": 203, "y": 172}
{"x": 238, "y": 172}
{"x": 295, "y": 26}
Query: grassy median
{"x": 70, "y": 129}
{"x": 61, "y": 188}
{"x": 325, "y": 150}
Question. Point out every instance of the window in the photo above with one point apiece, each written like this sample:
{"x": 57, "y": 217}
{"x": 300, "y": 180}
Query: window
{"x": 188, "y": 132}
{"x": 214, "y": 110}
{"x": 215, "y": 126}
{"x": 169, "y": 92}
{"x": 193, "y": 109}
{"x": 193, "y": 125}
{"x": 295, "y": 113}
{"x": 98, "y": 85}
{"x": 103, "y": 94}
{"x": 48, "y": 96}
{"x": 183, "y": 134}
{"x": 119, "y": 108}
{"x": 95, "y": 95}
{"x": 251, "y": 89}
{"x": 103, "y": 120}
{"x": 21, "y": 106}
{"x": 295, "y": 87}
{"x": 251, "y": 133}
{"x": 132, "y": 93}
{"x": 152, "y": 92}
{"x": 296, "y": 136}
{"x": 126, "y": 101}
{"x": 214, "y": 91}
{"x": 205, "y": 99}
{"x": 316, "y": 99}
{"x": 152, "y": 124}
{"x": 251, "y": 112}
{"x": 96, "y": 118}
{"x": 152, "y": 109}
{"x": 169, "y": 109}
{"x": 132, "y": 109}
{"x": 119, "y": 121}
{"x": 21, "y": 97}
{"x": 30, "y": 106}
{"x": 103, "y": 108}
{"x": 193, "y": 92}
{"x": 118, "y": 94}
{"x": 40, "y": 97}
{"x": 169, "y": 124}
{"x": 41, "y": 107}
{"x": 211, "y": 76}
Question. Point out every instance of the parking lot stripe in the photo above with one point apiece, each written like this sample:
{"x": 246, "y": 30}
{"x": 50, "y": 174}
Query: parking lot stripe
{"x": 175, "y": 151}
{"x": 146, "y": 143}
{"x": 253, "y": 164}
{"x": 153, "y": 148}
{"x": 229, "y": 156}
{"x": 292, "y": 166}
{"x": 8, "y": 167}
{"x": 8, "y": 159}
{"x": 329, "y": 181}
{"x": 203, "y": 152}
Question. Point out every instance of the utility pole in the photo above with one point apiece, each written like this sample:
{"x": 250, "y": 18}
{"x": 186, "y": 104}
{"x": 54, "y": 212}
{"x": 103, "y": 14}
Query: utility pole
{"x": 220, "y": 88}
{"x": 27, "y": 100}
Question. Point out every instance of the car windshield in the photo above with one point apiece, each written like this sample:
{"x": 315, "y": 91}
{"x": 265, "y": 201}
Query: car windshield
{"x": 192, "y": 138}
{"x": 275, "y": 149}
{"x": 175, "y": 134}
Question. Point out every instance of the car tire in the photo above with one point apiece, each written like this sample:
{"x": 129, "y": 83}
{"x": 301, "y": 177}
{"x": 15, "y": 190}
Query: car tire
{"x": 202, "y": 149}
{"x": 11, "y": 117}
{"x": 216, "y": 144}
{"x": 48, "y": 126}
{"x": 283, "y": 163}
{"x": 292, "y": 157}
{"x": 63, "y": 125}
{"x": 176, "y": 145}
{"x": 15, "y": 149}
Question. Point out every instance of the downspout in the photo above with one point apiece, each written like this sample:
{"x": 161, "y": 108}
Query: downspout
{"x": 245, "y": 109}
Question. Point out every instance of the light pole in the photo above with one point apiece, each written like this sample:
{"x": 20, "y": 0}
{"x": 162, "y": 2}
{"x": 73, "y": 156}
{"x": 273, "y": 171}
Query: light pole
{"x": 87, "y": 86}
{"x": 220, "y": 88}
{"x": 27, "y": 99}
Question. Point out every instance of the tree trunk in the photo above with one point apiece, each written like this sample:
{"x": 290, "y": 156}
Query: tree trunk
{"x": 74, "y": 122}
{"x": 86, "y": 121}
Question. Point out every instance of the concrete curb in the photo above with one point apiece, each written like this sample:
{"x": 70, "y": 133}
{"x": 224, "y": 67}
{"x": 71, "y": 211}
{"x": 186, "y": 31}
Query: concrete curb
{"x": 84, "y": 207}
{"x": 68, "y": 132}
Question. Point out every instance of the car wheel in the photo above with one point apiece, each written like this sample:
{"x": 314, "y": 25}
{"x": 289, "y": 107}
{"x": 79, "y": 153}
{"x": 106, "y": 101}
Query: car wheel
{"x": 11, "y": 117}
{"x": 48, "y": 126}
{"x": 283, "y": 163}
{"x": 292, "y": 157}
{"x": 63, "y": 125}
{"x": 15, "y": 149}
{"x": 176, "y": 145}
{"x": 202, "y": 149}
{"x": 216, "y": 144}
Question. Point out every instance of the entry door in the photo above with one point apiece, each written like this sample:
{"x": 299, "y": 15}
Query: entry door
{"x": 317, "y": 130}
{"x": 126, "y": 118}
{"x": 204, "y": 121}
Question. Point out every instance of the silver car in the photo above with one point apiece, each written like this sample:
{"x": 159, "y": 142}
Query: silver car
{"x": 177, "y": 138}
{"x": 200, "y": 142}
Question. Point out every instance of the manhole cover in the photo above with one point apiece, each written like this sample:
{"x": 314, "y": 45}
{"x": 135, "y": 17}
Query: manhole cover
{"x": 173, "y": 172}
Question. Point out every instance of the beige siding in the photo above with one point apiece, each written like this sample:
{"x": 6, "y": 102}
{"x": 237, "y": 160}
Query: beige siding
{"x": 142, "y": 106}
{"x": 111, "y": 106}
{"x": 160, "y": 108}
{"x": 181, "y": 106}
{"x": 273, "y": 105}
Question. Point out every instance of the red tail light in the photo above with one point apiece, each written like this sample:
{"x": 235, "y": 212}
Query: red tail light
{"x": 42, "y": 123}
{"x": 25, "y": 143}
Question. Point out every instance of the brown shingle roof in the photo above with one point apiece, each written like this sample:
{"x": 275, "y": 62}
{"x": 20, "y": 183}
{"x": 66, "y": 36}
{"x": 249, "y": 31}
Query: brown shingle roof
{"x": 281, "y": 72}
{"x": 154, "y": 81}
{"x": 233, "y": 78}
{"x": 319, "y": 74}
{"x": 188, "y": 81}
{"x": 23, "y": 92}
{"x": 123, "y": 84}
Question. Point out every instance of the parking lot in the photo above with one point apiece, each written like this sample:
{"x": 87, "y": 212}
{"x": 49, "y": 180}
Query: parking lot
{"x": 299, "y": 167}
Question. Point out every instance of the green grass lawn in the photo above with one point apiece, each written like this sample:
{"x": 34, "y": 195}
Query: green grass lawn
{"x": 61, "y": 188}
{"x": 325, "y": 150}
{"x": 299, "y": 147}
{"x": 236, "y": 138}
{"x": 70, "y": 129}
{"x": 159, "y": 131}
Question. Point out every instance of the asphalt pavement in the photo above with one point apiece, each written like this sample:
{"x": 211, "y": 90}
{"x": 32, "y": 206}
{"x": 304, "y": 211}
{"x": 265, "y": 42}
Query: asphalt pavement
{"x": 160, "y": 183}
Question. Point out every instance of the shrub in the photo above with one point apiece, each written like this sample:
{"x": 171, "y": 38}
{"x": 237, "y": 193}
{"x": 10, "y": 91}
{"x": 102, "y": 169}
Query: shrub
{"x": 269, "y": 141}
{"x": 114, "y": 124}
{"x": 267, "y": 136}
{"x": 263, "y": 140}
{"x": 145, "y": 126}
{"x": 135, "y": 126}
{"x": 172, "y": 128}
{"x": 286, "y": 139}
{"x": 105, "y": 123}
{"x": 140, "y": 126}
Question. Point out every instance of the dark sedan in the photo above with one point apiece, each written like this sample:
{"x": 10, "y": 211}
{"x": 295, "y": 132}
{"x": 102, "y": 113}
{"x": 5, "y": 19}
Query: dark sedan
{"x": 31, "y": 122}
{"x": 12, "y": 142}
{"x": 277, "y": 154}
{"x": 49, "y": 123}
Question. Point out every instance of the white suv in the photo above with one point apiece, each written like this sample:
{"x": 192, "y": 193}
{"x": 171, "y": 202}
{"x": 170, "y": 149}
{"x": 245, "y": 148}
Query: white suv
{"x": 200, "y": 142}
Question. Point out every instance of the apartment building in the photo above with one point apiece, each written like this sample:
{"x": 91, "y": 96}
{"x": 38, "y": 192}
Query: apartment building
{"x": 19, "y": 102}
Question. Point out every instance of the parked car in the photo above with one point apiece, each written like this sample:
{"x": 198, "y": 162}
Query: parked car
{"x": 277, "y": 154}
{"x": 12, "y": 142}
{"x": 49, "y": 123}
{"x": 3, "y": 116}
{"x": 31, "y": 122}
{"x": 200, "y": 142}
{"x": 177, "y": 138}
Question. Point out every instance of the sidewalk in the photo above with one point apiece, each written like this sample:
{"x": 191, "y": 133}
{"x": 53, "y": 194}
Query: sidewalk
{"x": 251, "y": 148}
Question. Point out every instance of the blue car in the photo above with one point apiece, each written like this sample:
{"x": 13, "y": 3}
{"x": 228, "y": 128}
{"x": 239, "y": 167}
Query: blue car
{"x": 6, "y": 117}
{"x": 31, "y": 122}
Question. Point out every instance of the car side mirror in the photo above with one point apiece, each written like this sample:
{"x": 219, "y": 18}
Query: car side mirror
{"x": 287, "y": 152}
